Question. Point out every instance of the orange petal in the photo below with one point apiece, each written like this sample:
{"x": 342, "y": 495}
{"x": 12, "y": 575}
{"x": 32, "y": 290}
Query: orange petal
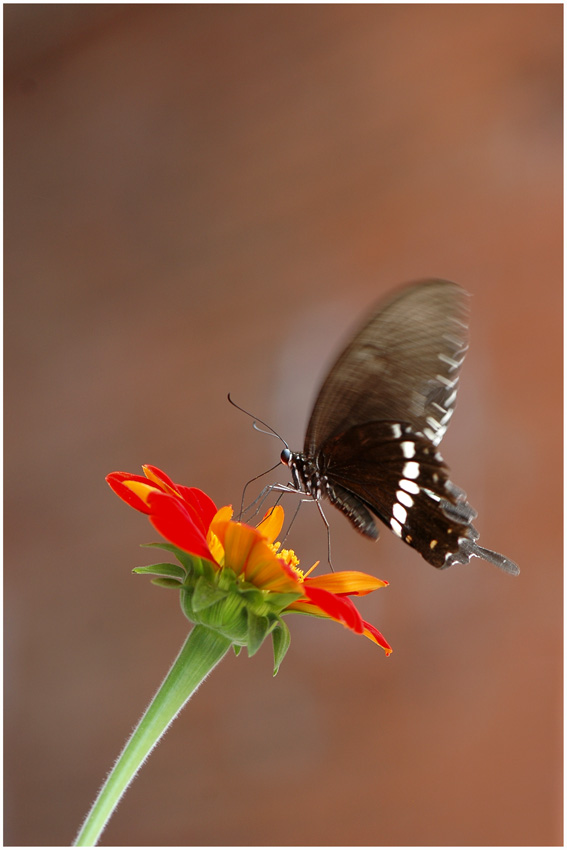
{"x": 238, "y": 540}
{"x": 272, "y": 523}
{"x": 222, "y": 516}
{"x": 266, "y": 571}
{"x": 350, "y": 582}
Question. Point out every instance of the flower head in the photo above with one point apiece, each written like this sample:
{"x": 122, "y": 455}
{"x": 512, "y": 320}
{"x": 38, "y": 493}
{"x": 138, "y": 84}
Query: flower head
{"x": 236, "y": 578}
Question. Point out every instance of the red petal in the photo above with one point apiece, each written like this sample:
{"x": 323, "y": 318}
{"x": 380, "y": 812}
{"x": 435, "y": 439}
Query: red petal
{"x": 172, "y": 519}
{"x": 338, "y": 607}
{"x": 115, "y": 479}
{"x": 162, "y": 478}
{"x": 373, "y": 633}
{"x": 202, "y": 504}
{"x": 203, "y": 507}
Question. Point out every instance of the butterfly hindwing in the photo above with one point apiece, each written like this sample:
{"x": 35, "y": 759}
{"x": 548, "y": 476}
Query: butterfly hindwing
{"x": 402, "y": 479}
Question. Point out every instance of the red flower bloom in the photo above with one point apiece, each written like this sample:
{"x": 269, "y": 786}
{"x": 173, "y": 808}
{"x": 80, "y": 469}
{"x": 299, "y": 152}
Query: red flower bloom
{"x": 181, "y": 514}
{"x": 189, "y": 519}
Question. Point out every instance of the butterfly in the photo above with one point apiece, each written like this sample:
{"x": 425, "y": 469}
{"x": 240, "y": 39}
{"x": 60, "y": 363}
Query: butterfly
{"x": 371, "y": 442}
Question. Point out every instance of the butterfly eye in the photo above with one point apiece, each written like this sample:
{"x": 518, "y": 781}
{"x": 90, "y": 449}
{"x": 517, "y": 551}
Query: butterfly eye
{"x": 285, "y": 456}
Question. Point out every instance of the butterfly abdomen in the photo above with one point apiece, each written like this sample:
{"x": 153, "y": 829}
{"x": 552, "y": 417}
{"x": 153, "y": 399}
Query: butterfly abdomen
{"x": 309, "y": 477}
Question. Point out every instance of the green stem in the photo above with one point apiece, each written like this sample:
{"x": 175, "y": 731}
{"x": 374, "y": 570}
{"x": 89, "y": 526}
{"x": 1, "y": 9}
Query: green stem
{"x": 201, "y": 652}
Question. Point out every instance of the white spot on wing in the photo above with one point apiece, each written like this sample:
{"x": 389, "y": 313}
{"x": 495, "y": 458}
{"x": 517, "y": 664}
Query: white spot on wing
{"x": 447, "y": 381}
{"x": 397, "y": 430}
{"x": 409, "y": 486}
{"x": 408, "y": 449}
{"x": 405, "y": 498}
{"x": 396, "y": 527}
{"x": 432, "y": 495}
{"x": 411, "y": 469}
{"x": 400, "y": 513}
{"x": 452, "y": 364}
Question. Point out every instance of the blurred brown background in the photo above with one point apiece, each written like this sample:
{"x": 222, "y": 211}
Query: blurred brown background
{"x": 207, "y": 198}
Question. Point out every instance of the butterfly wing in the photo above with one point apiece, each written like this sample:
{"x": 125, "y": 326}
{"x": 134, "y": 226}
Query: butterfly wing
{"x": 401, "y": 366}
{"x": 398, "y": 475}
{"x": 385, "y": 405}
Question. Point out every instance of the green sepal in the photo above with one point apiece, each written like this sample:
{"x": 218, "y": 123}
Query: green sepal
{"x": 253, "y": 595}
{"x": 186, "y": 598}
{"x": 166, "y": 582}
{"x": 237, "y": 648}
{"x": 184, "y": 558}
{"x": 202, "y": 567}
{"x": 206, "y": 594}
{"x": 279, "y": 601}
{"x": 258, "y": 628}
{"x": 281, "y": 640}
{"x": 169, "y": 570}
{"x": 227, "y": 615}
{"x": 225, "y": 578}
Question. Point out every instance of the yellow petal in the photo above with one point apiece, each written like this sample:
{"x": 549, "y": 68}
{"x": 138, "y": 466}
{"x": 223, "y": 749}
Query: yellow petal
{"x": 272, "y": 523}
{"x": 215, "y": 547}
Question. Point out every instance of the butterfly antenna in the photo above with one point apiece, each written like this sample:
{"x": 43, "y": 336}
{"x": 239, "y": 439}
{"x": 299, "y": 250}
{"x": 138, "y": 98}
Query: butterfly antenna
{"x": 271, "y": 431}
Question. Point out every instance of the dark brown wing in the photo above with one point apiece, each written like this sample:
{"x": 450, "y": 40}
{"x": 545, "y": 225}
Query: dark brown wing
{"x": 402, "y": 366}
{"x": 387, "y": 468}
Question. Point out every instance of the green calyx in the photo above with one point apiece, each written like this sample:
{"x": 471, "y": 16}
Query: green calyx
{"x": 224, "y": 602}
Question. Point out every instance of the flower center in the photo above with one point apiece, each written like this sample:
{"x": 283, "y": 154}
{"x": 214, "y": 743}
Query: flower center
{"x": 291, "y": 560}
{"x": 288, "y": 556}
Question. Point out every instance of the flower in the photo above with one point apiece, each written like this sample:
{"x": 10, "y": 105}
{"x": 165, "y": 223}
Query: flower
{"x": 181, "y": 514}
{"x": 234, "y": 577}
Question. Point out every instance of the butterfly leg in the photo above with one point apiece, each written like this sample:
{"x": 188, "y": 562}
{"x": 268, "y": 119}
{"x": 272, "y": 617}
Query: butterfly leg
{"x": 261, "y": 498}
{"x": 264, "y": 491}
{"x": 286, "y": 535}
{"x": 258, "y": 502}
{"x": 324, "y": 518}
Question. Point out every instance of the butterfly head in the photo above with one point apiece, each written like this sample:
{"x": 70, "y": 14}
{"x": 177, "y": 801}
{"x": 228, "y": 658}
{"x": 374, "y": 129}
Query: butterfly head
{"x": 300, "y": 470}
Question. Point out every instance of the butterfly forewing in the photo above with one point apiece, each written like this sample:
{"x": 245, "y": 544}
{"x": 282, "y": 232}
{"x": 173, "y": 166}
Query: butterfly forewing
{"x": 401, "y": 366}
